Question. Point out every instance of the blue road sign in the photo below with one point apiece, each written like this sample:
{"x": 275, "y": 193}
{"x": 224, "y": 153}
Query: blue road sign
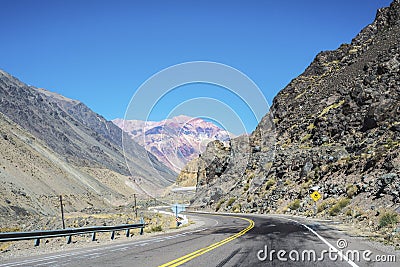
{"x": 178, "y": 208}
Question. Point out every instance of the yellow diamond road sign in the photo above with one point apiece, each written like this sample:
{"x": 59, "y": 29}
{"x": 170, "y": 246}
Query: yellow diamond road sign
{"x": 315, "y": 195}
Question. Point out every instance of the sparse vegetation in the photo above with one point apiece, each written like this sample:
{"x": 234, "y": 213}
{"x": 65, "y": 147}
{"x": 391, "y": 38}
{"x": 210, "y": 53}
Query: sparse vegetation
{"x": 4, "y": 246}
{"x": 305, "y": 147}
{"x": 305, "y": 138}
{"x": 311, "y": 126}
{"x": 230, "y": 201}
{"x": 294, "y": 205}
{"x": 390, "y": 144}
{"x": 388, "y": 218}
{"x": 353, "y": 51}
{"x": 349, "y": 212}
{"x": 236, "y": 208}
{"x": 219, "y": 204}
{"x": 300, "y": 95}
{"x": 351, "y": 190}
{"x": 270, "y": 183}
{"x": 306, "y": 184}
{"x": 286, "y": 143}
{"x": 325, "y": 204}
{"x": 287, "y": 182}
{"x": 246, "y": 187}
{"x": 333, "y": 106}
{"x": 251, "y": 176}
{"x": 268, "y": 165}
{"x": 157, "y": 228}
{"x": 9, "y": 229}
{"x": 335, "y": 209}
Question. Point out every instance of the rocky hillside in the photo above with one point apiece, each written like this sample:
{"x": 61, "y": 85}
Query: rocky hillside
{"x": 53, "y": 145}
{"x": 174, "y": 141}
{"x": 335, "y": 127}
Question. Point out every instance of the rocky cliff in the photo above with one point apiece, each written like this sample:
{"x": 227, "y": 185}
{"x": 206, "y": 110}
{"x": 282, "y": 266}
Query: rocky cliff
{"x": 334, "y": 128}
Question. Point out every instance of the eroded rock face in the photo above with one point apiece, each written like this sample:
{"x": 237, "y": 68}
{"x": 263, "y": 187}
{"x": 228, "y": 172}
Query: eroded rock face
{"x": 174, "y": 141}
{"x": 336, "y": 127}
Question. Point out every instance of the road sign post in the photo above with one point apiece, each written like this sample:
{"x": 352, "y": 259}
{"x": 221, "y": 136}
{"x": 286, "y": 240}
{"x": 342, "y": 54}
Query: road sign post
{"x": 315, "y": 196}
{"x": 135, "y": 207}
{"x": 315, "y": 208}
{"x": 177, "y": 208}
{"x": 142, "y": 222}
{"x": 176, "y": 216}
{"x": 62, "y": 212}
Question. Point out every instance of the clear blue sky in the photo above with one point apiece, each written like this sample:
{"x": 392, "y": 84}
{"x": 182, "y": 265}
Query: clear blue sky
{"x": 100, "y": 52}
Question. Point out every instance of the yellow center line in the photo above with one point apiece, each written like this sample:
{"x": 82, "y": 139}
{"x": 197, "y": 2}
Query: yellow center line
{"x": 197, "y": 253}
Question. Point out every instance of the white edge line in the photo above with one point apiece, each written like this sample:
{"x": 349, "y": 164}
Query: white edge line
{"x": 326, "y": 242}
{"x": 107, "y": 247}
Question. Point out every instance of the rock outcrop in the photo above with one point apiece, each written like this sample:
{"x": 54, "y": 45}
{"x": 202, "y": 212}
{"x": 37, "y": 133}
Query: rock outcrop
{"x": 334, "y": 128}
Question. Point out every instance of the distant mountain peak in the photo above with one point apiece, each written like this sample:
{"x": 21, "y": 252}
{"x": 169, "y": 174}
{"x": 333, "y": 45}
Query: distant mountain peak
{"x": 174, "y": 141}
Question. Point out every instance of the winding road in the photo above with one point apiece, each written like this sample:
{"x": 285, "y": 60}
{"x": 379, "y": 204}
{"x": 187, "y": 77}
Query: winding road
{"x": 230, "y": 240}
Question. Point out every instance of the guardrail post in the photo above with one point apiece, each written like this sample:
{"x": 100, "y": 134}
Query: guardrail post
{"x": 141, "y": 228}
{"x": 68, "y": 233}
{"x": 112, "y": 235}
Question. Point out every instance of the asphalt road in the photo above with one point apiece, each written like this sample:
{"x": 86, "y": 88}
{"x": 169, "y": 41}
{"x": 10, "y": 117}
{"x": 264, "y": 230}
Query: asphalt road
{"x": 227, "y": 240}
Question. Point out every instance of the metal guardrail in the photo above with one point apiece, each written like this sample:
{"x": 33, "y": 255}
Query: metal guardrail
{"x": 37, "y": 235}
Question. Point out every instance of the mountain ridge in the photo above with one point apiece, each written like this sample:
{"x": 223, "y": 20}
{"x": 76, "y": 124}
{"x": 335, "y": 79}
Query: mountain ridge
{"x": 174, "y": 141}
{"x": 53, "y": 145}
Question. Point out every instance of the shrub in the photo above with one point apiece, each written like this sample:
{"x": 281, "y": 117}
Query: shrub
{"x": 327, "y": 109}
{"x": 388, "y": 218}
{"x": 246, "y": 187}
{"x": 268, "y": 165}
{"x": 230, "y": 201}
{"x": 270, "y": 183}
{"x": 349, "y": 212}
{"x": 236, "y": 208}
{"x": 249, "y": 199}
{"x": 351, "y": 190}
{"x": 306, "y": 184}
{"x": 326, "y": 203}
{"x": 287, "y": 182}
{"x": 294, "y": 205}
{"x": 305, "y": 138}
{"x": 219, "y": 204}
{"x": 311, "y": 126}
{"x": 157, "y": 228}
{"x": 343, "y": 202}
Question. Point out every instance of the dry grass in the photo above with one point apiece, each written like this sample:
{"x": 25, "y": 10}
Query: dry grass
{"x": 333, "y": 106}
{"x": 335, "y": 209}
{"x": 4, "y": 246}
{"x": 294, "y": 205}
